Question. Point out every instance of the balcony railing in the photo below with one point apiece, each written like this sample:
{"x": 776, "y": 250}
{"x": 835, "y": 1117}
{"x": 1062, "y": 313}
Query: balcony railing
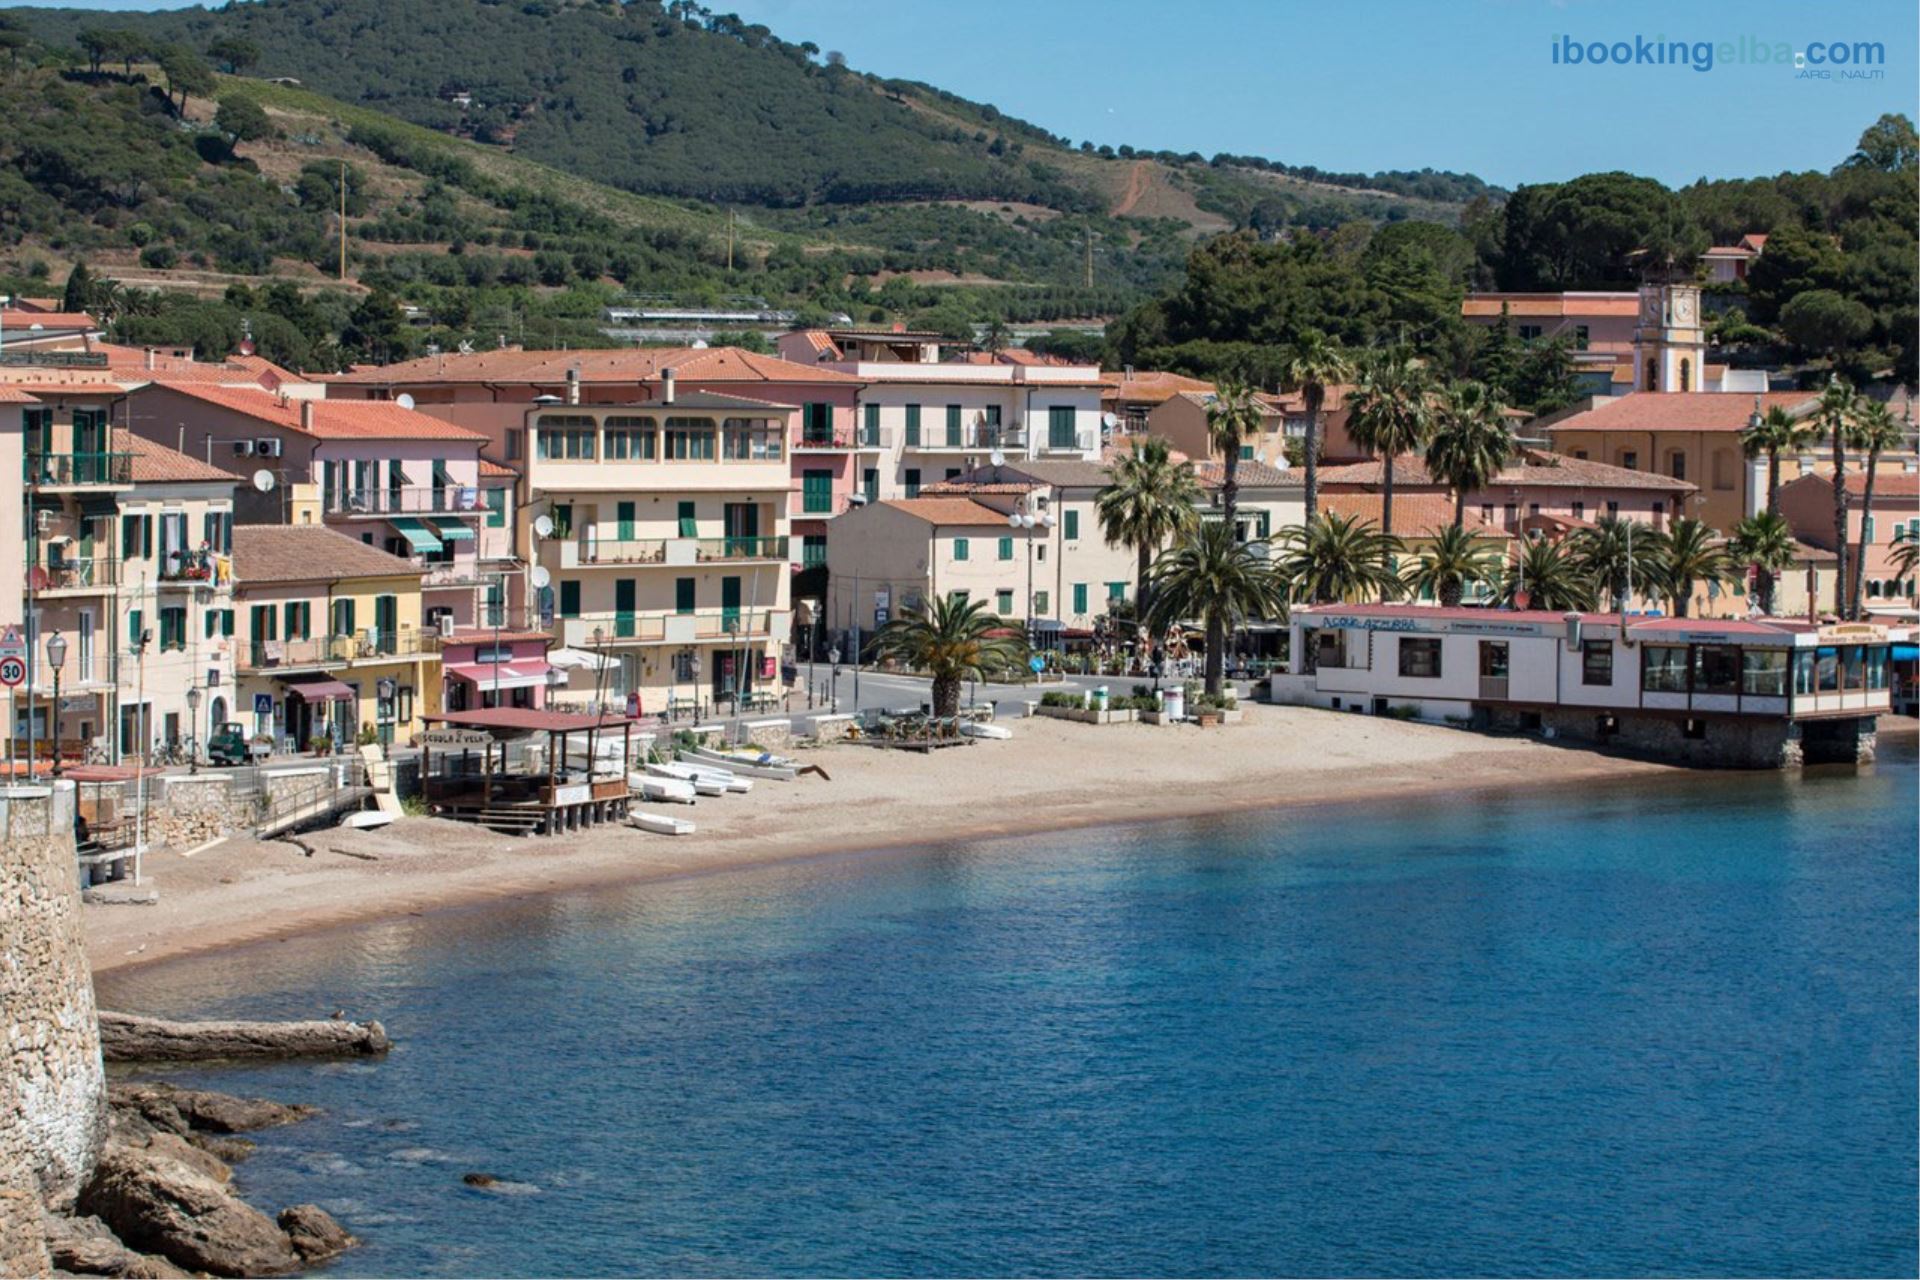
{"x": 842, "y": 439}
{"x": 939, "y": 438}
{"x": 77, "y": 573}
{"x": 623, "y": 550}
{"x": 656, "y": 627}
{"x": 410, "y": 500}
{"x": 191, "y": 569}
{"x": 710, "y": 550}
{"x": 72, "y": 470}
{"x": 77, "y": 674}
{"x": 1080, "y": 442}
{"x": 370, "y": 645}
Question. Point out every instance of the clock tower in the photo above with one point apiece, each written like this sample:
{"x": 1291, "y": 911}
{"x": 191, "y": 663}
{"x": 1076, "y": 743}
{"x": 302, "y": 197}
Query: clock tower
{"x": 1669, "y": 344}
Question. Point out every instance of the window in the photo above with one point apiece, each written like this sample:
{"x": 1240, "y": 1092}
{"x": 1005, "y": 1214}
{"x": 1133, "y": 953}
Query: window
{"x": 1724, "y": 469}
{"x": 136, "y": 537}
{"x": 1664, "y": 669}
{"x": 630, "y": 439}
{"x": 1596, "y": 662}
{"x": 1116, "y": 591}
{"x": 1060, "y": 431}
{"x": 513, "y": 446}
{"x": 816, "y": 492}
{"x": 1530, "y": 332}
{"x": 1071, "y": 521}
{"x": 813, "y": 550}
{"x": 959, "y": 548}
{"x": 1246, "y": 453}
{"x": 913, "y": 426}
{"x": 913, "y": 482}
{"x": 1330, "y": 648}
{"x": 565, "y": 438}
{"x": 1580, "y": 337}
{"x": 1686, "y": 374}
{"x": 297, "y": 619}
{"x": 570, "y": 599}
{"x": 953, "y": 473}
{"x": 1003, "y": 603}
{"x": 1510, "y": 514}
{"x": 1803, "y": 672}
{"x": 1866, "y": 529}
{"x": 689, "y": 440}
{"x": 1040, "y": 602}
{"x": 343, "y": 617}
{"x": 1763, "y": 673}
{"x": 1659, "y": 514}
{"x": 1716, "y": 669}
{"x": 1613, "y": 510}
{"x": 870, "y": 484}
{"x": 953, "y": 426}
{"x": 1420, "y": 657}
{"x": 1630, "y": 460}
{"x": 563, "y": 519}
{"x": 816, "y": 422}
{"x": 1486, "y": 513}
{"x": 688, "y": 525}
{"x": 1079, "y": 598}
{"x": 1876, "y": 668}
{"x": 1677, "y": 465}
{"x": 1826, "y": 669}
{"x": 1853, "y": 667}
{"x": 748, "y": 440}
{"x": 683, "y": 595}
{"x": 173, "y": 628}
{"x": 496, "y": 508}
{"x": 1652, "y": 371}
{"x": 216, "y": 530}
{"x": 1580, "y": 454}
{"x": 1579, "y": 511}
{"x": 1006, "y": 548}
{"x": 872, "y": 434}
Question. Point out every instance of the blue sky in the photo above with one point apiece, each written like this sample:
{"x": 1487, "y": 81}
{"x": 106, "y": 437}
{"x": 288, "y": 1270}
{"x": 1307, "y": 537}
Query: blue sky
{"x": 1468, "y": 85}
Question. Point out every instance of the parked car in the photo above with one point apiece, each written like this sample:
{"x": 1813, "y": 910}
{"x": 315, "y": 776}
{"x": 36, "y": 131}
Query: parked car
{"x": 230, "y": 745}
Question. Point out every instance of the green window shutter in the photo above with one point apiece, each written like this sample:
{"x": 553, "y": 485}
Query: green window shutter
{"x": 873, "y": 424}
{"x": 1246, "y": 453}
{"x": 1003, "y": 603}
{"x": 291, "y": 625}
{"x": 683, "y": 595}
{"x": 1060, "y": 426}
{"x": 623, "y": 597}
{"x": 133, "y": 628}
{"x": 959, "y": 548}
{"x": 625, "y": 521}
{"x": 816, "y": 492}
{"x": 689, "y": 526}
{"x": 813, "y": 550}
{"x": 226, "y": 622}
{"x": 913, "y": 482}
{"x": 210, "y": 623}
{"x": 1006, "y": 548}
{"x": 953, "y": 426}
{"x": 870, "y": 484}
{"x": 1116, "y": 591}
{"x": 913, "y": 425}
{"x": 1072, "y": 530}
{"x": 129, "y": 537}
{"x": 570, "y": 599}
{"x": 1040, "y": 602}
{"x": 496, "y": 508}
{"x": 1079, "y": 597}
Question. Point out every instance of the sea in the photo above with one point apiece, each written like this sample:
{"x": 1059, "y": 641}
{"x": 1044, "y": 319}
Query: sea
{"x": 1614, "y": 1028}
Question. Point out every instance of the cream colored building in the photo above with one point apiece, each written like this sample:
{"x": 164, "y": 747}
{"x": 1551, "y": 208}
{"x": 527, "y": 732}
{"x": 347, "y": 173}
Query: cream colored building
{"x": 666, "y": 543}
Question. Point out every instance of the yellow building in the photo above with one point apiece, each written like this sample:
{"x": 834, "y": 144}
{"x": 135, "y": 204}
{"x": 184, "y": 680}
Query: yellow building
{"x": 330, "y": 638}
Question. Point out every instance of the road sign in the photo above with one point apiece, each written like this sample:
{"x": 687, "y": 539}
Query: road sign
{"x": 13, "y": 670}
{"x": 263, "y": 704}
{"x": 11, "y": 644}
{"x": 1038, "y": 664}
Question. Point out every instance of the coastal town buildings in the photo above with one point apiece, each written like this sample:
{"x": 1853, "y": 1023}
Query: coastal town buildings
{"x": 1807, "y": 503}
{"x": 1753, "y": 693}
{"x": 1729, "y": 263}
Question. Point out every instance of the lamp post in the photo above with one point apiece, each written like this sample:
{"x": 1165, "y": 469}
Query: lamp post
{"x": 56, "y": 658}
{"x": 1023, "y": 520}
{"x": 193, "y": 725}
{"x": 833, "y": 663}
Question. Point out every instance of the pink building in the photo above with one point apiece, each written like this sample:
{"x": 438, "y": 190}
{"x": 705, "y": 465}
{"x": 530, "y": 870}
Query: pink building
{"x": 1895, "y": 519}
{"x": 482, "y": 668}
{"x": 1537, "y": 491}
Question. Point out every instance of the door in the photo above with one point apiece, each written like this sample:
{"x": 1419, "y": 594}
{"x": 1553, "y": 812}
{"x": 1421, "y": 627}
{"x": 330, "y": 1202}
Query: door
{"x": 624, "y": 519}
{"x": 730, "y": 604}
{"x": 623, "y": 623}
{"x": 89, "y": 446}
{"x": 1493, "y": 669}
{"x": 386, "y": 620}
{"x": 743, "y": 527}
{"x": 261, "y": 632}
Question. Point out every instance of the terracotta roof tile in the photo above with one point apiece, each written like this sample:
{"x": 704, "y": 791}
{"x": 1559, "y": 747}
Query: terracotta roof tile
{"x": 21, "y": 321}
{"x": 332, "y": 419}
{"x": 1531, "y": 468}
{"x": 489, "y": 469}
{"x": 1415, "y": 515}
{"x": 13, "y": 395}
{"x": 1489, "y": 305}
{"x": 943, "y": 511}
{"x": 1679, "y": 411}
{"x": 1152, "y": 386}
{"x": 308, "y": 553}
{"x": 154, "y": 463}
{"x": 1250, "y": 475}
{"x": 623, "y": 364}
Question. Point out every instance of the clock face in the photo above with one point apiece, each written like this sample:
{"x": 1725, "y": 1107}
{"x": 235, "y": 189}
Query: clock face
{"x": 1683, "y": 308}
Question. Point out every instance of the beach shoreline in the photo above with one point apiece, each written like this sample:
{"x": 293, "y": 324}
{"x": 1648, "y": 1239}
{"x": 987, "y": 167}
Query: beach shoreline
{"x": 880, "y": 803}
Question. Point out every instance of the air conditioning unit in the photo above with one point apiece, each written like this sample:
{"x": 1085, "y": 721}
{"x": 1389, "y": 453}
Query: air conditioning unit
{"x": 243, "y": 448}
{"x": 269, "y": 448}
{"x": 446, "y": 626}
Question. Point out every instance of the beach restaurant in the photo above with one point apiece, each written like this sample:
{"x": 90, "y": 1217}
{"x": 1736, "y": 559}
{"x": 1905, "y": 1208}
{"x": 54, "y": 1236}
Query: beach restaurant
{"x": 513, "y": 768}
{"x": 1754, "y": 693}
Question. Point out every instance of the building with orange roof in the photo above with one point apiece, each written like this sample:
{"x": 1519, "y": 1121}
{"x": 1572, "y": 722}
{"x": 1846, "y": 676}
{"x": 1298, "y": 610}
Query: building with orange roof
{"x": 1728, "y": 263}
{"x": 899, "y": 553}
{"x": 1131, "y": 394}
{"x": 23, "y": 332}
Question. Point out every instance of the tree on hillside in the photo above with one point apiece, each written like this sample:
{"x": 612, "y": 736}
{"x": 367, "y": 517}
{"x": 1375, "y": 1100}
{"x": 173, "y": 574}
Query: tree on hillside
{"x": 235, "y": 53}
{"x": 97, "y": 43}
{"x": 1796, "y": 261}
{"x": 1821, "y": 322}
{"x": 241, "y": 119}
{"x": 1596, "y": 231}
{"x": 187, "y": 74}
{"x": 13, "y": 38}
{"x": 1889, "y": 144}
{"x": 377, "y": 330}
{"x": 79, "y": 292}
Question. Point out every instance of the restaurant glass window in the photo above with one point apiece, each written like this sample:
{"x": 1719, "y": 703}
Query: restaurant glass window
{"x": 1876, "y": 667}
{"x": 1716, "y": 669}
{"x": 1664, "y": 669}
{"x": 1826, "y": 669}
{"x": 1763, "y": 673}
{"x": 1803, "y": 672}
{"x": 1420, "y": 657}
{"x": 1853, "y": 667}
{"x": 1596, "y": 662}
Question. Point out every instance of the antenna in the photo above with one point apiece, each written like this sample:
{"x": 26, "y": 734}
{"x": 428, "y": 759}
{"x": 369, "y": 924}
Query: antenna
{"x": 404, "y": 400}
{"x": 263, "y": 480}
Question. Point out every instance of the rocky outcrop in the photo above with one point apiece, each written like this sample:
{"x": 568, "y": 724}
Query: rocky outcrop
{"x": 84, "y": 1247}
{"x": 126, "y": 1037}
{"x": 23, "y": 1243}
{"x": 315, "y": 1235}
{"x": 156, "y": 1202}
{"x": 172, "y": 1109}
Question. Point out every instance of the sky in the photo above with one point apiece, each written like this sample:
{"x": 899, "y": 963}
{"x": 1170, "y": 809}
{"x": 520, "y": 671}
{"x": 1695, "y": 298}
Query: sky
{"x": 1364, "y": 85}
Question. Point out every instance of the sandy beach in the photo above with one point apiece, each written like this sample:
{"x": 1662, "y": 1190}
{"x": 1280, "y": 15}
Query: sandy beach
{"x": 1051, "y": 775}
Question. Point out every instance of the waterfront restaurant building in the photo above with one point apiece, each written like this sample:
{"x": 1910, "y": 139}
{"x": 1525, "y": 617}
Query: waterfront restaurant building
{"x": 1763, "y": 693}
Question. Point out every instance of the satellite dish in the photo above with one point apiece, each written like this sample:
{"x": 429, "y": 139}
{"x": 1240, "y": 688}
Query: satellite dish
{"x": 699, "y": 344}
{"x": 540, "y": 577}
{"x": 549, "y": 398}
{"x": 1282, "y": 463}
{"x": 997, "y": 458}
{"x": 263, "y": 480}
{"x": 1108, "y": 421}
{"x": 543, "y": 526}
{"x": 404, "y": 400}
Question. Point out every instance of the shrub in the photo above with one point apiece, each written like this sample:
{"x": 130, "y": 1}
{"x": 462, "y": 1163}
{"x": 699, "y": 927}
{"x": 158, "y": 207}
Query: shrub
{"x": 1211, "y": 702}
{"x": 1403, "y": 712}
{"x": 1062, "y": 698}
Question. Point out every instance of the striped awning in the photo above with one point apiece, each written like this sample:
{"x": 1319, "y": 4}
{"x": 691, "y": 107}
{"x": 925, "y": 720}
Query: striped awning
{"x": 452, "y": 531}
{"x": 416, "y": 532}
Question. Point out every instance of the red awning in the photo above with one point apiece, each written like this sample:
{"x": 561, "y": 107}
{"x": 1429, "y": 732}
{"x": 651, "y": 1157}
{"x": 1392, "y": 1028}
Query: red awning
{"x": 320, "y": 690}
{"x": 525, "y": 674}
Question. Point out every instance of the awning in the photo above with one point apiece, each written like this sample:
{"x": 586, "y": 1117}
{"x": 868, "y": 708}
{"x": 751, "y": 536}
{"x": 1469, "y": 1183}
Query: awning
{"x": 319, "y": 690}
{"x": 418, "y": 536}
{"x": 1901, "y": 653}
{"x": 524, "y": 674}
{"x": 98, "y": 504}
{"x": 580, "y": 660}
{"x": 452, "y": 531}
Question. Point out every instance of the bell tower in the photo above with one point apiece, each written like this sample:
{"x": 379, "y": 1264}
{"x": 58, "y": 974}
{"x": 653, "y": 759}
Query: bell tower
{"x": 1669, "y": 345}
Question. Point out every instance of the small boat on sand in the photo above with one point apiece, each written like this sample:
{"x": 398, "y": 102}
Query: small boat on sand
{"x": 669, "y": 790}
{"x": 660, "y": 823}
{"x": 366, "y": 820}
{"x": 975, "y": 729}
{"x": 708, "y": 782}
{"x": 769, "y": 766}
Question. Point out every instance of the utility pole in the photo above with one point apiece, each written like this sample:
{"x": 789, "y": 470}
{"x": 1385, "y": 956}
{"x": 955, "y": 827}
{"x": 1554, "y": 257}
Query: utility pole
{"x": 1089, "y": 255}
{"x": 729, "y": 241}
{"x": 343, "y": 220}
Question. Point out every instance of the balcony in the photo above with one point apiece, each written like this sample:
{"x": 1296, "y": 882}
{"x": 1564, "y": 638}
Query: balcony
{"x": 80, "y": 674}
{"x": 189, "y": 569}
{"x": 44, "y": 471}
{"x": 735, "y": 550}
{"x": 369, "y": 646}
{"x": 76, "y": 576}
{"x": 703, "y": 626}
{"x": 407, "y": 500}
{"x": 1081, "y": 442}
{"x": 584, "y": 553}
{"x": 969, "y": 439}
{"x": 844, "y": 440}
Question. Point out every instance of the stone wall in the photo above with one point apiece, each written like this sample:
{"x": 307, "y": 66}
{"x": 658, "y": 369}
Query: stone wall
{"x": 765, "y": 734}
{"x": 52, "y": 1083}
{"x": 1725, "y": 742}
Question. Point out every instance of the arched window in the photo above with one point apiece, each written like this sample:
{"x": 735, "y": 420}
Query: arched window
{"x": 1686, "y": 375}
{"x": 1653, "y": 374}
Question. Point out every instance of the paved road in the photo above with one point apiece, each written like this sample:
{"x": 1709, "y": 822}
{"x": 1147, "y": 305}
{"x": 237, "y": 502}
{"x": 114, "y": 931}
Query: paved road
{"x": 901, "y": 691}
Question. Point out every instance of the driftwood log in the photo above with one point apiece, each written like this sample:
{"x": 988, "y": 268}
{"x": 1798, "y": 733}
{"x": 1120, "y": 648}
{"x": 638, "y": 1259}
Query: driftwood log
{"x": 128, "y": 1037}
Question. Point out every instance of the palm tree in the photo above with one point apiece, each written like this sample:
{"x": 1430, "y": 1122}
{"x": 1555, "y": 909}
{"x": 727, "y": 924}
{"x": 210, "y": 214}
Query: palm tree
{"x": 1551, "y": 577}
{"x": 1835, "y": 414}
{"x": 1452, "y": 559}
{"x": 1234, "y": 415}
{"x": 1310, "y": 366}
{"x": 1388, "y": 414}
{"x": 1149, "y": 500}
{"x": 1616, "y": 554}
{"x": 1905, "y": 553}
{"x": 1692, "y": 554}
{"x": 954, "y": 640}
{"x": 1338, "y": 558}
{"x": 1212, "y": 576}
{"x": 1471, "y": 442}
{"x": 1770, "y": 435}
{"x": 1766, "y": 542}
{"x": 996, "y": 337}
{"x": 1876, "y": 430}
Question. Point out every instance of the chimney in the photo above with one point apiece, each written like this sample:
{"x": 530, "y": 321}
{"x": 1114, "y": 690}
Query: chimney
{"x": 573, "y": 385}
{"x": 150, "y": 359}
{"x": 306, "y": 415}
{"x": 666, "y": 386}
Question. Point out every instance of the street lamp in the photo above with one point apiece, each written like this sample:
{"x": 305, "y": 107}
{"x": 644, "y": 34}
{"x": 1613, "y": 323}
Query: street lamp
{"x": 1028, "y": 522}
{"x": 833, "y": 661}
{"x": 193, "y": 726}
{"x": 56, "y": 658}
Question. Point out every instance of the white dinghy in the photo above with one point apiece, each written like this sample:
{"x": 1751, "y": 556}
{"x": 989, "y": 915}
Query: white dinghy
{"x": 660, "y": 823}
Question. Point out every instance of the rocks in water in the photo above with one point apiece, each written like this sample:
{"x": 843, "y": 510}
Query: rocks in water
{"x": 482, "y": 1180}
{"x": 314, "y": 1233}
{"x": 231, "y": 1150}
{"x": 177, "y": 1110}
{"x": 84, "y": 1247}
{"x": 156, "y": 1202}
{"x": 126, "y": 1037}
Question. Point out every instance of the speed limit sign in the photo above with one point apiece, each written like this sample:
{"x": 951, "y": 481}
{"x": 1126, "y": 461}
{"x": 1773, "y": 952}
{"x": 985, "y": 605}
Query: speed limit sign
{"x": 12, "y": 671}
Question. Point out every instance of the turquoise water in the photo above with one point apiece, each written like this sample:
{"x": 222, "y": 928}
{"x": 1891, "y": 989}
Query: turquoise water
{"x": 1623, "y": 1029}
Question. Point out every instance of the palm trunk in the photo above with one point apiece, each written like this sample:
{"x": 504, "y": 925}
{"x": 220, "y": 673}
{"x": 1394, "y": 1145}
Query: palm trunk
{"x": 1216, "y": 667}
{"x": 1683, "y": 598}
{"x": 946, "y": 695}
{"x": 1459, "y": 508}
{"x": 1386, "y": 498}
{"x": 1144, "y": 566}
{"x": 1840, "y": 522}
{"x": 1763, "y": 587}
{"x": 1860, "y": 543}
{"x": 1773, "y": 482}
{"x": 1230, "y": 484}
{"x": 1313, "y": 452}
